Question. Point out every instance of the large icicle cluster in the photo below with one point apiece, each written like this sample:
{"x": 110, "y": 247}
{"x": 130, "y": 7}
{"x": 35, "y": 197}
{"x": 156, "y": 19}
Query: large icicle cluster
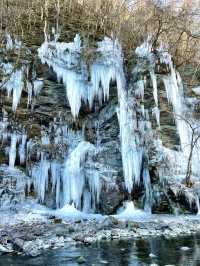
{"x": 145, "y": 51}
{"x": 64, "y": 58}
{"x": 173, "y": 85}
{"x": 175, "y": 96}
{"x": 74, "y": 179}
{"x": 17, "y": 140}
{"x": 131, "y": 148}
{"x": 14, "y": 76}
{"x": 13, "y": 82}
{"x": 67, "y": 181}
{"x": 174, "y": 89}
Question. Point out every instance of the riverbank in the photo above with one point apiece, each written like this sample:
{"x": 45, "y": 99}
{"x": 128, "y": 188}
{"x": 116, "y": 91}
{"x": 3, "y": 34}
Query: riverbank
{"x": 30, "y": 233}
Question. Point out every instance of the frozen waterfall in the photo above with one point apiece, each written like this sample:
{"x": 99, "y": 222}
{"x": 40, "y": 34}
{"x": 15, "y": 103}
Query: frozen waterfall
{"x": 69, "y": 182}
{"x": 75, "y": 183}
{"x": 108, "y": 68}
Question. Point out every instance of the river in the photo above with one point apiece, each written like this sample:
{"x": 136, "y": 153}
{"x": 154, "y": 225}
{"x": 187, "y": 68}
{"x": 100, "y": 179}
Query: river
{"x": 182, "y": 251}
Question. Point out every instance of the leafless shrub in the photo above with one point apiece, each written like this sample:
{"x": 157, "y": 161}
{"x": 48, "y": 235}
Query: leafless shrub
{"x": 179, "y": 27}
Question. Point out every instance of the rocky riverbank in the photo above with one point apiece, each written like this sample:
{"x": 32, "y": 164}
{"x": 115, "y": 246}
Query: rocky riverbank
{"x": 31, "y": 234}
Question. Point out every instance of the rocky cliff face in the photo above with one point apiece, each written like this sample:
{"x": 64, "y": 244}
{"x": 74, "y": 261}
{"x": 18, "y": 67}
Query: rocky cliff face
{"x": 97, "y": 145}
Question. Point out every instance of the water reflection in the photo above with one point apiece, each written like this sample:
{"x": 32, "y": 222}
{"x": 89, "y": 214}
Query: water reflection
{"x": 120, "y": 253}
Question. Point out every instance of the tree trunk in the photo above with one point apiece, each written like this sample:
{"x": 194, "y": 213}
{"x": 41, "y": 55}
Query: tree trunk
{"x": 189, "y": 165}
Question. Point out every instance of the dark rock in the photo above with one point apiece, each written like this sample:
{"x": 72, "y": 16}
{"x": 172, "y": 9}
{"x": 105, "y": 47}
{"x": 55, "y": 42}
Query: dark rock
{"x": 57, "y": 221}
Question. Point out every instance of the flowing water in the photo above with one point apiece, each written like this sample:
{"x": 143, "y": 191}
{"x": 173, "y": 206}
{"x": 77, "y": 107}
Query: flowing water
{"x": 184, "y": 251}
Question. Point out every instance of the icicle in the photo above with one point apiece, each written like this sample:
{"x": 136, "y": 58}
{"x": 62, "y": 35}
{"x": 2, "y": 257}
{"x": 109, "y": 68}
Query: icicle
{"x": 17, "y": 88}
{"x": 173, "y": 86}
{"x": 12, "y": 151}
{"x": 87, "y": 201}
{"x": 22, "y": 154}
{"x": 94, "y": 188}
{"x": 14, "y": 84}
{"x": 65, "y": 61}
{"x": 144, "y": 50}
{"x": 139, "y": 91}
{"x": 30, "y": 92}
{"x": 156, "y": 113}
{"x": 29, "y": 147}
{"x": 130, "y": 138}
{"x": 77, "y": 42}
{"x": 98, "y": 141}
{"x": 198, "y": 205}
{"x": 40, "y": 174}
{"x": 76, "y": 90}
{"x": 9, "y": 42}
{"x": 74, "y": 179}
{"x": 155, "y": 87}
{"x": 45, "y": 138}
{"x": 148, "y": 192}
{"x": 108, "y": 68}
{"x": 3, "y": 127}
{"x": 56, "y": 181}
{"x": 37, "y": 86}
{"x": 131, "y": 148}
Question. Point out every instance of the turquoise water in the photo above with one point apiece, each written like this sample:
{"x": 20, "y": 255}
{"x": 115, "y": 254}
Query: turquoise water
{"x": 116, "y": 253}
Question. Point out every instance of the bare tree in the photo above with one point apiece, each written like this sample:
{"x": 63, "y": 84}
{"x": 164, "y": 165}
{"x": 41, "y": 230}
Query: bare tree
{"x": 192, "y": 146}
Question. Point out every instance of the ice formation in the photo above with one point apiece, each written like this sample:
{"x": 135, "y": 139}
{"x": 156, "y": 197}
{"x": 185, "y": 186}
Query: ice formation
{"x": 108, "y": 68}
{"x": 174, "y": 89}
{"x": 40, "y": 175}
{"x": 74, "y": 185}
{"x": 129, "y": 212}
{"x": 148, "y": 190}
{"x": 34, "y": 87}
{"x": 140, "y": 88}
{"x": 144, "y": 50}
{"x": 12, "y": 151}
{"x": 155, "y": 110}
{"x": 131, "y": 150}
{"x": 22, "y": 149}
{"x": 198, "y": 205}
{"x": 196, "y": 90}
{"x": 74, "y": 179}
{"x": 13, "y": 82}
{"x": 65, "y": 60}
{"x": 175, "y": 96}
{"x": 10, "y": 44}
{"x": 14, "y": 75}
{"x": 66, "y": 180}
{"x": 156, "y": 113}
